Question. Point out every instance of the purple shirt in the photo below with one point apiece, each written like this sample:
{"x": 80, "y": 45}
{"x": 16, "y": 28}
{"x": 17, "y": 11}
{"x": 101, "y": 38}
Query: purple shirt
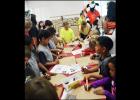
{"x": 109, "y": 95}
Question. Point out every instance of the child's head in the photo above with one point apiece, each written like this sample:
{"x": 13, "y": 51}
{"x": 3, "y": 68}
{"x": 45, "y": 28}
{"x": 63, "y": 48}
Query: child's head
{"x": 41, "y": 24}
{"x": 48, "y": 23}
{"x": 112, "y": 67}
{"x": 28, "y": 25}
{"x": 66, "y": 25}
{"x": 27, "y": 54}
{"x": 44, "y": 37}
{"x": 52, "y": 30}
{"x": 92, "y": 44}
{"x": 40, "y": 89}
{"x": 103, "y": 45}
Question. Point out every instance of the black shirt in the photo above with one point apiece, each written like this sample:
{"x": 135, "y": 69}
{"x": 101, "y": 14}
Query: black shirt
{"x": 34, "y": 32}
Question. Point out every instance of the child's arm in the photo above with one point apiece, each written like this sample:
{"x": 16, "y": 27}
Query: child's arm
{"x": 93, "y": 75}
{"x": 41, "y": 66}
{"x": 109, "y": 95}
{"x": 44, "y": 61}
{"x": 101, "y": 91}
{"x": 91, "y": 70}
{"x": 56, "y": 51}
{"x": 100, "y": 82}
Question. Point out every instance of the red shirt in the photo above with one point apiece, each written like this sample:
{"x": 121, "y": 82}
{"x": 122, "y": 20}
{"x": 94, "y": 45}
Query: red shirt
{"x": 88, "y": 51}
{"x": 92, "y": 16}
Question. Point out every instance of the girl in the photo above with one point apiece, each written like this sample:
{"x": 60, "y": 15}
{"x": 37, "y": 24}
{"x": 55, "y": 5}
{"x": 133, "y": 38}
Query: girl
{"x": 110, "y": 94}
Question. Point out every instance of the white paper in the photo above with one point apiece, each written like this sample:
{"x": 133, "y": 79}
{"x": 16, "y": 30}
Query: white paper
{"x": 78, "y": 51}
{"x": 65, "y": 69}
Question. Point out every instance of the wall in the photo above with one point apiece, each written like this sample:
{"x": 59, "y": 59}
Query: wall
{"x": 47, "y": 9}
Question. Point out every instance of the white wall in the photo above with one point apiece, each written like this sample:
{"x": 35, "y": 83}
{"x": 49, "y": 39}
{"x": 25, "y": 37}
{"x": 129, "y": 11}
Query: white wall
{"x": 46, "y": 9}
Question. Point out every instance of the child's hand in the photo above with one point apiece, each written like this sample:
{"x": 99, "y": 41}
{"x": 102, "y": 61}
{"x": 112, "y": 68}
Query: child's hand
{"x": 47, "y": 76}
{"x": 99, "y": 91}
{"x": 60, "y": 56}
{"x": 52, "y": 74}
{"x": 56, "y": 61}
{"x": 86, "y": 77}
{"x": 86, "y": 71}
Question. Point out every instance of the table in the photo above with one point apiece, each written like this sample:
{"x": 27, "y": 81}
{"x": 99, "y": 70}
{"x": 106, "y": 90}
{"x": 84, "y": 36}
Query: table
{"x": 79, "y": 92}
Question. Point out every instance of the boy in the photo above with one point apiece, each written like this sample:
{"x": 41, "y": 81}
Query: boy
{"x": 40, "y": 89}
{"x": 66, "y": 33}
{"x": 51, "y": 44}
{"x": 33, "y": 61}
{"x": 45, "y": 55}
{"x": 29, "y": 73}
{"x": 103, "y": 46}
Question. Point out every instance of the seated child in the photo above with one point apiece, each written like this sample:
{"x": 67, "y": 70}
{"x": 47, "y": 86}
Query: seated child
{"x": 51, "y": 44}
{"x": 29, "y": 73}
{"x": 49, "y": 24}
{"x": 34, "y": 61}
{"x": 110, "y": 93}
{"x": 91, "y": 49}
{"x": 66, "y": 34}
{"x": 103, "y": 46}
{"x": 45, "y": 55}
{"x": 40, "y": 89}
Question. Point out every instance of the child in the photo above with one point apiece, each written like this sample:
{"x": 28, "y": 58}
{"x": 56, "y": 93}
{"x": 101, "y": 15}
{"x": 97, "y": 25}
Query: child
{"x": 91, "y": 49}
{"x": 54, "y": 39}
{"x": 84, "y": 30}
{"x": 33, "y": 61}
{"x": 103, "y": 46}
{"x": 112, "y": 70}
{"x": 48, "y": 24}
{"x": 41, "y": 26}
{"x": 51, "y": 44}
{"x": 34, "y": 31}
{"x": 28, "y": 25}
{"x": 66, "y": 33}
{"x": 45, "y": 55}
{"x": 40, "y": 89}
{"x": 29, "y": 73}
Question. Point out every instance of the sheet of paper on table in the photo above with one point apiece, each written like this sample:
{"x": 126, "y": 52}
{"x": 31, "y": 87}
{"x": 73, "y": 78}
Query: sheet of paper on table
{"x": 65, "y": 69}
{"x": 75, "y": 52}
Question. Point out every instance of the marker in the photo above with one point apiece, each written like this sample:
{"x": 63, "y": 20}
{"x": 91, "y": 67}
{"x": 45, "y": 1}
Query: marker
{"x": 87, "y": 84}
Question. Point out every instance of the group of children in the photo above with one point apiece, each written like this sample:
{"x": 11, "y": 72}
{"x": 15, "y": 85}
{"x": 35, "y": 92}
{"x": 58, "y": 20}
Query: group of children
{"x": 43, "y": 50}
